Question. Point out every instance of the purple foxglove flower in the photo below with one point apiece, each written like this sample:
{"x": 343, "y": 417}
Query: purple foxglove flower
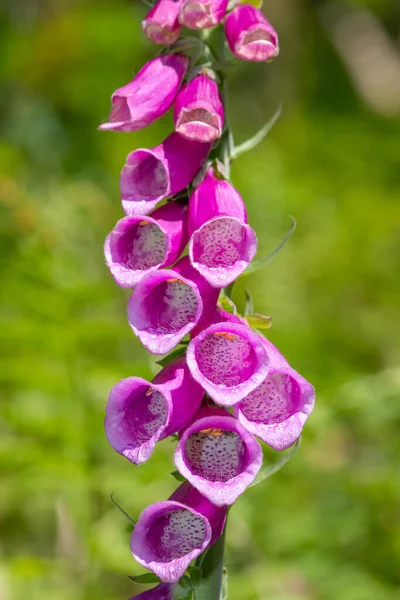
{"x": 218, "y": 456}
{"x": 278, "y": 408}
{"x": 250, "y": 36}
{"x": 149, "y": 95}
{"x": 161, "y": 25}
{"x": 222, "y": 244}
{"x": 149, "y": 176}
{"x": 167, "y": 304}
{"x": 170, "y": 534}
{"x": 138, "y": 245}
{"x": 229, "y": 361}
{"x": 200, "y": 14}
{"x": 198, "y": 111}
{"x": 164, "y": 591}
{"x": 139, "y": 413}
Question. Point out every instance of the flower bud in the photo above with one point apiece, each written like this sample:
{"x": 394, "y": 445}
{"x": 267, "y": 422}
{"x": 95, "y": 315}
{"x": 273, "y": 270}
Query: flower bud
{"x": 149, "y": 176}
{"x": 218, "y": 456}
{"x": 167, "y": 304}
{"x": 222, "y": 244}
{"x": 163, "y": 591}
{"x": 250, "y": 36}
{"x": 229, "y": 361}
{"x": 148, "y": 96}
{"x": 138, "y": 245}
{"x": 198, "y": 111}
{"x": 200, "y": 14}
{"x": 161, "y": 25}
{"x": 170, "y": 534}
{"x": 277, "y": 409}
{"x": 139, "y": 413}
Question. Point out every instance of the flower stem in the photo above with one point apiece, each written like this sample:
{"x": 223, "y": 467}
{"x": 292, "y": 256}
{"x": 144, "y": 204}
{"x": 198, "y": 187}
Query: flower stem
{"x": 212, "y": 564}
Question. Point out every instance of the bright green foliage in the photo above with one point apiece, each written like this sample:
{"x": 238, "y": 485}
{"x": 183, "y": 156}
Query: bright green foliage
{"x": 326, "y": 527}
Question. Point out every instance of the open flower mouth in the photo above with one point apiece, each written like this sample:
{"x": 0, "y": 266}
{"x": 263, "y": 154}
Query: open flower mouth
{"x": 136, "y": 412}
{"x": 226, "y": 359}
{"x": 144, "y": 178}
{"x": 197, "y": 15}
{"x": 258, "y": 44}
{"x": 274, "y": 401}
{"x": 170, "y": 306}
{"x": 141, "y": 247}
{"x": 199, "y": 122}
{"x": 175, "y": 534}
{"x": 160, "y": 34}
{"x": 217, "y": 455}
{"x": 120, "y": 113}
{"x": 220, "y": 243}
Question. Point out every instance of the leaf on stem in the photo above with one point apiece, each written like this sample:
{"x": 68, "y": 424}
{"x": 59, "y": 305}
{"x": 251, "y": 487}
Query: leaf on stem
{"x": 260, "y": 263}
{"x": 258, "y": 137}
{"x": 195, "y": 575}
{"x": 256, "y": 3}
{"x": 249, "y": 305}
{"x": 227, "y": 305}
{"x": 163, "y": 362}
{"x": 144, "y": 579}
{"x": 259, "y": 321}
{"x": 178, "y": 476}
{"x": 269, "y": 470}
{"x": 122, "y": 510}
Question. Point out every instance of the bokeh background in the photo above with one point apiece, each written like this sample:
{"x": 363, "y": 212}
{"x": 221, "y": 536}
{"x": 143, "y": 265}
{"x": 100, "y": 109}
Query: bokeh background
{"x": 327, "y": 527}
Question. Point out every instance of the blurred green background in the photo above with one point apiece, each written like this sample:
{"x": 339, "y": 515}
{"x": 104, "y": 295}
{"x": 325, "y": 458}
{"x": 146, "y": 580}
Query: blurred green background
{"x": 327, "y": 527}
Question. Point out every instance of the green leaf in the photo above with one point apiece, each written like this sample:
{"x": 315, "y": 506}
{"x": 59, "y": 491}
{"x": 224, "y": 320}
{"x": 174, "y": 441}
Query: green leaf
{"x": 224, "y": 589}
{"x": 259, "y": 321}
{"x": 144, "y": 579}
{"x": 249, "y": 306}
{"x": 228, "y": 290}
{"x": 185, "y": 582}
{"x": 258, "y": 137}
{"x": 195, "y": 575}
{"x": 260, "y": 263}
{"x": 122, "y": 510}
{"x": 178, "y": 476}
{"x": 228, "y": 305}
{"x": 163, "y": 362}
{"x": 269, "y": 470}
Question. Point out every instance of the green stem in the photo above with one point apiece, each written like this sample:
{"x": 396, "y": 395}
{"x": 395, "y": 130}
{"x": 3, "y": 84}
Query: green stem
{"x": 212, "y": 564}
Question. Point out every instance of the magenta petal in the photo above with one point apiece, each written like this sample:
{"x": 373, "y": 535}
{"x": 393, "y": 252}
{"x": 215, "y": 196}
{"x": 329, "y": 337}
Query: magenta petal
{"x": 164, "y": 591}
{"x": 218, "y": 456}
{"x": 165, "y": 306}
{"x": 149, "y": 95}
{"x": 228, "y": 360}
{"x": 278, "y": 408}
{"x": 250, "y": 36}
{"x": 139, "y": 413}
{"x": 170, "y": 534}
{"x": 198, "y": 111}
{"x": 149, "y": 176}
{"x": 221, "y": 245}
{"x": 161, "y": 25}
{"x": 141, "y": 244}
{"x": 201, "y": 14}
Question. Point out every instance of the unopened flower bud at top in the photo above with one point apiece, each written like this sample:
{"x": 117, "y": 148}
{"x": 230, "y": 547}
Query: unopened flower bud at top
{"x": 167, "y": 304}
{"x": 198, "y": 110}
{"x": 250, "y": 35}
{"x": 228, "y": 359}
{"x": 200, "y": 14}
{"x": 150, "y": 175}
{"x": 276, "y": 410}
{"x": 169, "y": 535}
{"x": 161, "y": 25}
{"x": 222, "y": 244}
{"x": 138, "y": 245}
{"x": 218, "y": 456}
{"x": 148, "y": 96}
{"x": 140, "y": 413}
